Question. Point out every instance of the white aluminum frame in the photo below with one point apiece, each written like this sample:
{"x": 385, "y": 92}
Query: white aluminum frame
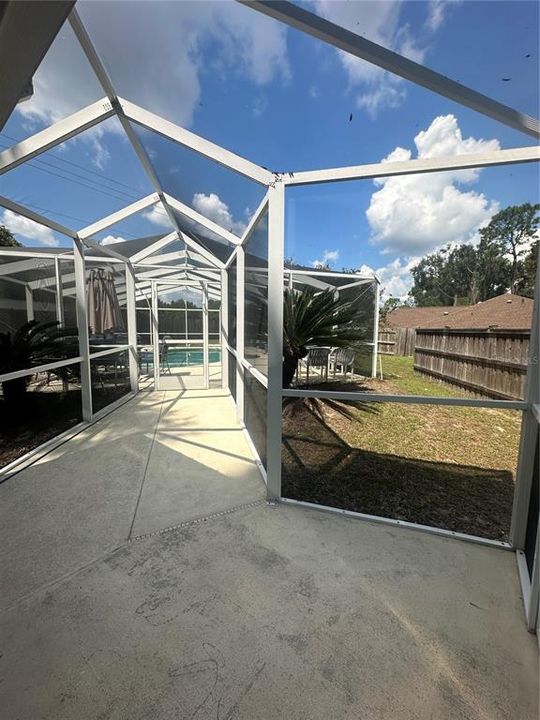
{"x": 175, "y": 284}
{"x": 56, "y": 134}
{"x": 274, "y": 402}
{"x": 118, "y": 216}
{"x": 190, "y": 140}
{"x": 202, "y": 220}
{"x": 511, "y": 156}
{"x": 276, "y": 184}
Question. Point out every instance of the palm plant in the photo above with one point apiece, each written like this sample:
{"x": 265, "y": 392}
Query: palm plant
{"x": 32, "y": 342}
{"x": 317, "y": 318}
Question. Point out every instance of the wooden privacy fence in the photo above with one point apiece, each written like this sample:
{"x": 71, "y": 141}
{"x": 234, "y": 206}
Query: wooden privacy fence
{"x": 398, "y": 341}
{"x": 492, "y": 363}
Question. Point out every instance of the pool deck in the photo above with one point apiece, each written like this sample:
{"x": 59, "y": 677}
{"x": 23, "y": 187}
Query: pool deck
{"x": 144, "y": 576}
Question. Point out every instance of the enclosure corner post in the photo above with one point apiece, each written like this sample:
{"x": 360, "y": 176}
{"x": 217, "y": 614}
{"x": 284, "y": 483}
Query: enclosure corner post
{"x": 375, "y": 353}
{"x": 240, "y": 314}
{"x": 59, "y": 294}
{"x": 276, "y": 243}
{"x": 155, "y": 334}
{"x": 529, "y": 432}
{"x": 206, "y": 377}
{"x": 131, "y": 314}
{"x": 82, "y": 324}
{"x": 224, "y": 329}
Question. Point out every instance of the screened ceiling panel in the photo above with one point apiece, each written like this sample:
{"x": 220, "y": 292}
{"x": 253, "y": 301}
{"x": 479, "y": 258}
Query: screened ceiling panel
{"x": 139, "y": 225}
{"x": 216, "y": 245}
{"x": 215, "y": 191}
{"x": 63, "y": 84}
{"x": 131, "y": 247}
{"x": 81, "y": 181}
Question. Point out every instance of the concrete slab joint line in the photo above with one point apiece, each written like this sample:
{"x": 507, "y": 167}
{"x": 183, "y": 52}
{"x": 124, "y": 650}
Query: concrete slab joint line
{"x": 156, "y": 428}
{"x": 204, "y": 519}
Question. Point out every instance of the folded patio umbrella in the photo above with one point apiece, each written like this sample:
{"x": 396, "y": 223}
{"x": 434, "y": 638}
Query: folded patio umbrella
{"x": 102, "y": 301}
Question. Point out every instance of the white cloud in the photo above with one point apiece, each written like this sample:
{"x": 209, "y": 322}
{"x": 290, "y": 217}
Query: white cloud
{"x": 112, "y": 239}
{"x": 260, "y": 105}
{"x": 157, "y": 216}
{"x": 22, "y": 227}
{"x": 437, "y": 12}
{"x": 328, "y": 257}
{"x": 213, "y": 208}
{"x": 380, "y": 23}
{"x": 410, "y": 216}
{"x": 173, "y": 36}
{"x": 387, "y": 94}
{"x": 416, "y": 214}
{"x": 395, "y": 276}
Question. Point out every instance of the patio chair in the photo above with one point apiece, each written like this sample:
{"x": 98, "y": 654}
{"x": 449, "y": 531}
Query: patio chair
{"x": 163, "y": 353}
{"x": 146, "y": 357}
{"x": 317, "y": 357}
{"x": 344, "y": 357}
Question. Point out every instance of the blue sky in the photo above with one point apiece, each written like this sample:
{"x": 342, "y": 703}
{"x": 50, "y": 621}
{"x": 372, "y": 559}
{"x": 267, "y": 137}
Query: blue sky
{"x": 285, "y": 101}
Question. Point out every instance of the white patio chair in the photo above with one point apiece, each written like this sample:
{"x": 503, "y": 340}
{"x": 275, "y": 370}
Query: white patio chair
{"x": 317, "y": 357}
{"x": 344, "y": 358}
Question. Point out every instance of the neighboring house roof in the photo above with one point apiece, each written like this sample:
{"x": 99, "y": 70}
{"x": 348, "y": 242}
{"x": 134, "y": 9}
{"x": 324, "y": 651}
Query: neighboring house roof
{"x": 505, "y": 312}
{"x": 412, "y": 317}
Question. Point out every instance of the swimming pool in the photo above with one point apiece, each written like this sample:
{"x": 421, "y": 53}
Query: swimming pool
{"x": 184, "y": 357}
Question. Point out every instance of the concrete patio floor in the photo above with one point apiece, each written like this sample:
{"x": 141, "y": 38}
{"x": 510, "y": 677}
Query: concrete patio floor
{"x": 256, "y": 612}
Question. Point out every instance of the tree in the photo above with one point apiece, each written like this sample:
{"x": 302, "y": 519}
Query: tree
{"x": 511, "y": 230}
{"x": 503, "y": 260}
{"x": 493, "y": 275}
{"x": 389, "y": 304}
{"x": 318, "y": 318}
{"x": 446, "y": 277}
{"x": 530, "y": 265}
{"x": 29, "y": 345}
{"x": 7, "y": 239}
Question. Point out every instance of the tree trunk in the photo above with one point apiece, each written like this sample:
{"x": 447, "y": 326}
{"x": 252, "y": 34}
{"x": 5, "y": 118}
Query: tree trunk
{"x": 290, "y": 363}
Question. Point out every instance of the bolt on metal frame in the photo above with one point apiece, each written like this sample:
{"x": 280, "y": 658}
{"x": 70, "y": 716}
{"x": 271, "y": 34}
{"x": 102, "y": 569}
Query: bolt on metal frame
{"x": 137, "y": 281}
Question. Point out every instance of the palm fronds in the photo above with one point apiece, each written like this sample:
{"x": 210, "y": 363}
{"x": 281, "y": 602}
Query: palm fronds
{"x": 316, "y": 318}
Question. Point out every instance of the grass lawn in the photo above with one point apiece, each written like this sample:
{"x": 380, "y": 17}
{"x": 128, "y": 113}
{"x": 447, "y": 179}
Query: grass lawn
{"x": 449, "y": 467}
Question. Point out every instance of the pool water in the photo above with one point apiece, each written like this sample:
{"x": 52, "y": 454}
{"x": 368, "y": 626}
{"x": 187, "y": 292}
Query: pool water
{"x": 184, "y": 357}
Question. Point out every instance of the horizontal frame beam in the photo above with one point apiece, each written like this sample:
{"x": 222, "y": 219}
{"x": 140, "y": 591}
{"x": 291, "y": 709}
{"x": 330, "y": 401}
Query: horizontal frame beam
{"x": 360, "y": 47}
{"x": 496, "y": 544}
{"x": 194, "y": 142}
{"x": 406, "y": 399}
{"x": 412, "y": 167}
{"x": 165, "y": 258}
{"x": 12, "y": 268}
{"x": 40, "y": 368}
{"x": 55, "y": 134}
{"x": 106, "y": 250}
